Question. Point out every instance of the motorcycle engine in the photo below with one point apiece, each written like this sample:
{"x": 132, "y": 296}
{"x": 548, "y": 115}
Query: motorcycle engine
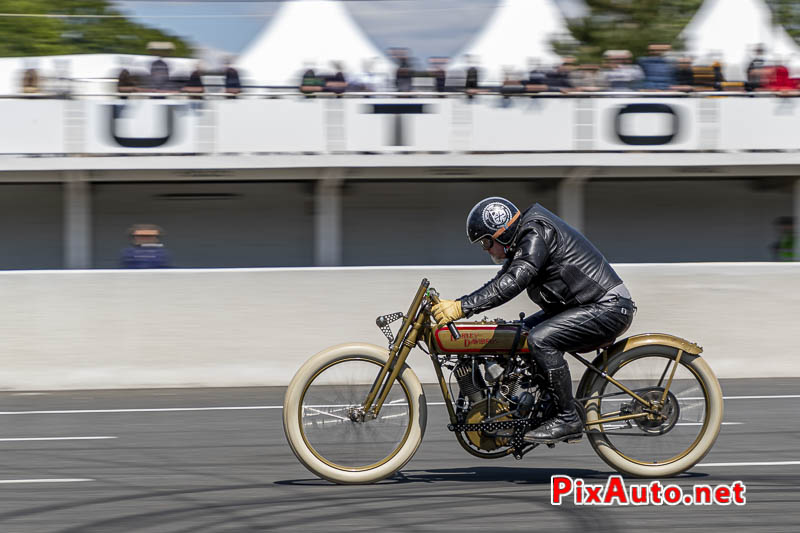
{"x": 481, "y": 407}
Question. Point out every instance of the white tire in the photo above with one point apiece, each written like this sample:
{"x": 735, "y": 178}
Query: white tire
{"x": 327, "y": 441}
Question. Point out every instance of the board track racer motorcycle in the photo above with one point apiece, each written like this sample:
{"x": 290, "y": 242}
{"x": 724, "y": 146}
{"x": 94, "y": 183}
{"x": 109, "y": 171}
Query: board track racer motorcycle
{"x": 356, "y": 413}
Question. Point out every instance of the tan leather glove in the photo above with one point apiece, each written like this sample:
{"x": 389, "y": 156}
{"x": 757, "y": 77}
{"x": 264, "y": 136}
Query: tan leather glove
{"x": 447, "y": 311}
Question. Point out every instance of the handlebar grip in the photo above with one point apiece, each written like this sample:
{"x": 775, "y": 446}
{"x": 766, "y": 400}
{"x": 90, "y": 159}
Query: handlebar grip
{"x": 453, "y": 331}
{"x": 451, "y": 327}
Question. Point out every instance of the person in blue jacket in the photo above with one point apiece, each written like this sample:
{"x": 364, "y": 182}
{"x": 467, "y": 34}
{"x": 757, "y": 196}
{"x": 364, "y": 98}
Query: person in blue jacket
{"x": 146, "y": 249}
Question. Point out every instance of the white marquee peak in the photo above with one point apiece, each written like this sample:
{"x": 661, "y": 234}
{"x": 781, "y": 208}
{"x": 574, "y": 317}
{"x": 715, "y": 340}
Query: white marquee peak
{"x": 517, "y": 32}
{"x": 729, "y": 31}
{"x": 308, "y": 33}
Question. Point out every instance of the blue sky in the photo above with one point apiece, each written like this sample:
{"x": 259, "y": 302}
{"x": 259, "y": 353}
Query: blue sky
{"x": 428, "y": 27}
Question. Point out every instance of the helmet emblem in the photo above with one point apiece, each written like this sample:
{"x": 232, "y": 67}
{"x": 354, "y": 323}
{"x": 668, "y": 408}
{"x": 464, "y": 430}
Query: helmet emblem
{"x": 496, "y": 215}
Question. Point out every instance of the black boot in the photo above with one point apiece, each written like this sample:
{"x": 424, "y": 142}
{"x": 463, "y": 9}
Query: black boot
{"x": 566, "y": 425}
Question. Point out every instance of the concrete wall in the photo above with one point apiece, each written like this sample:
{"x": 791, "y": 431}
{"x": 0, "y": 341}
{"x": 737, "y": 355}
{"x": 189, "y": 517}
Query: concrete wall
{"x": 107, "y": 329}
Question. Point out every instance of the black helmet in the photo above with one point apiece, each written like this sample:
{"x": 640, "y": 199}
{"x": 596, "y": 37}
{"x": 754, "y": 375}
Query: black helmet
{"x": 493, "y": 218}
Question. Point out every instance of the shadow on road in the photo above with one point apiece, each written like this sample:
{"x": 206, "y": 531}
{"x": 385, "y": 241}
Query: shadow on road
{"x": 493, "y": 474}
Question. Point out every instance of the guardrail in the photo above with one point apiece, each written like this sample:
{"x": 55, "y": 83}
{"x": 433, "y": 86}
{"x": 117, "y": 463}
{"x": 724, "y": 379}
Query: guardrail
{"x": 243, "y": 327}
{"x": 175, "y": 123}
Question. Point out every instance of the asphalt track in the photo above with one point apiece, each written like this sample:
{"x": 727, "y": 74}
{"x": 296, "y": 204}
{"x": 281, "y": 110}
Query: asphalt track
{"x": 165, "y": 470}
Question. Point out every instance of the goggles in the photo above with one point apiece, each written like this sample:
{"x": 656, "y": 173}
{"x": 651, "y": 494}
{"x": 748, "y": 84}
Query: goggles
{"x": 486, "y": 242}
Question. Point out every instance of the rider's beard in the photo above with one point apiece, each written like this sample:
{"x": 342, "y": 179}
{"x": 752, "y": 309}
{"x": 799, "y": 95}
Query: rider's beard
{"x": 497, "y": 260}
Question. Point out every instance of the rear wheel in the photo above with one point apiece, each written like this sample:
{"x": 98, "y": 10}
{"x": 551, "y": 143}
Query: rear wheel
{"x": 325, "y": 425}
{"x": 667, "y": 440}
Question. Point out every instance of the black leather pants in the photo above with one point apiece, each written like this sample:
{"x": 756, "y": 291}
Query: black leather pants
{"x": 577, "y": 329}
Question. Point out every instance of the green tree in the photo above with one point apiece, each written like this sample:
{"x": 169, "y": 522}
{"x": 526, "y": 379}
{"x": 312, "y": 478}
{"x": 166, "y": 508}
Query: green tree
{"x": 627, "y": 25}
{"x": 33, "y": 36}
{"x": 787, "y": 14}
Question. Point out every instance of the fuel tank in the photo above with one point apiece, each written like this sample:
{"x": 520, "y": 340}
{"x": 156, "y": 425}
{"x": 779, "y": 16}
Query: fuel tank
{"x": 479, "y": 337}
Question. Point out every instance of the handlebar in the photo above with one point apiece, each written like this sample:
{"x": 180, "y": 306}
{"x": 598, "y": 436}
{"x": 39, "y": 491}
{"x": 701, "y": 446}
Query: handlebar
{"x": 450, "y": 325}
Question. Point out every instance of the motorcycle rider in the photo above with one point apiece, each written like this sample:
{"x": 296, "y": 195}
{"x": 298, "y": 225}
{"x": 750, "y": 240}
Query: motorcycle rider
{"x": 584, "y": 302}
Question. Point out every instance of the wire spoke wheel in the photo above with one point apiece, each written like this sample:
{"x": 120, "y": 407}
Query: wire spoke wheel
{"x": 328, "y": 429}
{"x": 334, "y": 424}
{"x": 670, "y": 434}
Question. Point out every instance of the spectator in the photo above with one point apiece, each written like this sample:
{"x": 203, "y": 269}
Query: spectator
{"x": 195, "y": 82}
{"x": 777, "y": 79}
{"x": 658, "y": 71}
{"x": 146, "y": 249}
{"x": 125, "y": 82}
{"x": 336, "y": 83}
{"x": 558, "y": 78}
{"x": 471, "y": 82}
{"x": 159, "y": 75}
{"x": 436, "y": 70}
{"x": 30, "y": 81}
{"x": 232, "y": 84}
{"x": 708, "y": 77}
{"x": 403, "y": 75}
{"x": 719, "y": 78}
{"x": 684, "y": 75}
{"x": 620, "y": 74}
{"x": 537, "y": 78}
{"x": 587, "y": 78}
{"x": 512, "y": 84}
{"x": 755, "y": 69}
{"x": 311, "y": 83}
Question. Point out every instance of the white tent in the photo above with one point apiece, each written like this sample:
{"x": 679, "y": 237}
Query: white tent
{"x": 308, "y": 33}
{"x": 729, "y": 30}
{"x": 518, "y": 32}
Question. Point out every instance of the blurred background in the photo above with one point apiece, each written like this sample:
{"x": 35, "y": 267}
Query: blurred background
{"x": 325, "y": 133}
{"x": 247, "y": 141}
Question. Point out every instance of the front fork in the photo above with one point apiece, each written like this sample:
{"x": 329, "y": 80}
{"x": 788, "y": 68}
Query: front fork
{"x": 405, "y": 341}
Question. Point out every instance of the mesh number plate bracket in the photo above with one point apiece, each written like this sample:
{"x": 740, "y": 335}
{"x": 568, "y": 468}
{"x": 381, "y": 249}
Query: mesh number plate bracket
{"x": 383, "y": 322}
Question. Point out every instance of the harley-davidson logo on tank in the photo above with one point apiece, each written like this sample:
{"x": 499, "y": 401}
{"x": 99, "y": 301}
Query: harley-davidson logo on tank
{"x": 480, "y": 338}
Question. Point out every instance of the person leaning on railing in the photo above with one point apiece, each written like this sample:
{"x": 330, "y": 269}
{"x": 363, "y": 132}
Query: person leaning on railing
{"x": 659, "y": 73}
{"x": 195, "y": 82}
{"x": 30, "y": 81}
{"x": 126, "y": 82}
{"x": 232, "y": 84}
{"x": 311, "y": 83}
{"x": 619, "y": 74}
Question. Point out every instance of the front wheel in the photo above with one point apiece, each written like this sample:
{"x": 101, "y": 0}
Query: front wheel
{"x": 323, "y": 422}
{"x": 647, "y": 442}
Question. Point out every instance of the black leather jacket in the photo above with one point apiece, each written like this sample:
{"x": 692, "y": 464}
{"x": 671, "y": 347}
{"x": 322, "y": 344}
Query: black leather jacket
{"x": 557, "y": 265}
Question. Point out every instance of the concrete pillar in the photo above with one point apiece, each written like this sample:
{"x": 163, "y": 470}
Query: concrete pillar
{"x": 77, "y": 220}
{"x": 570, "y": 197}
{"x": 328, "y": 218}
{"x": 796, "y": 213}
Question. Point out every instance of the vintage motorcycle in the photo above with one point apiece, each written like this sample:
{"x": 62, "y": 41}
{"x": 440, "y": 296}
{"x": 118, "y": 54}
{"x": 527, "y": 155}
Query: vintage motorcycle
{"x": 356, "y": 413}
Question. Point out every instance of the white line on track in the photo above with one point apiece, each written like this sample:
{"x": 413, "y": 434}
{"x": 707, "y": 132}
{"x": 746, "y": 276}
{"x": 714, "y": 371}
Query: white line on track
{"x": 779, "y": 396}
{"x": 775, "y": 463}
{"x": 18, "y": 439}
{"x": 161, "y": 410}
{"x": 56, "y": 480}
{"x": 263, "y": 407}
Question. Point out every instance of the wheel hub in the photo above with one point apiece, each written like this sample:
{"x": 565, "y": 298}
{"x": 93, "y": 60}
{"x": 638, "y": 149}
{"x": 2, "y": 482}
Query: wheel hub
{"x": 661, "y": 417}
